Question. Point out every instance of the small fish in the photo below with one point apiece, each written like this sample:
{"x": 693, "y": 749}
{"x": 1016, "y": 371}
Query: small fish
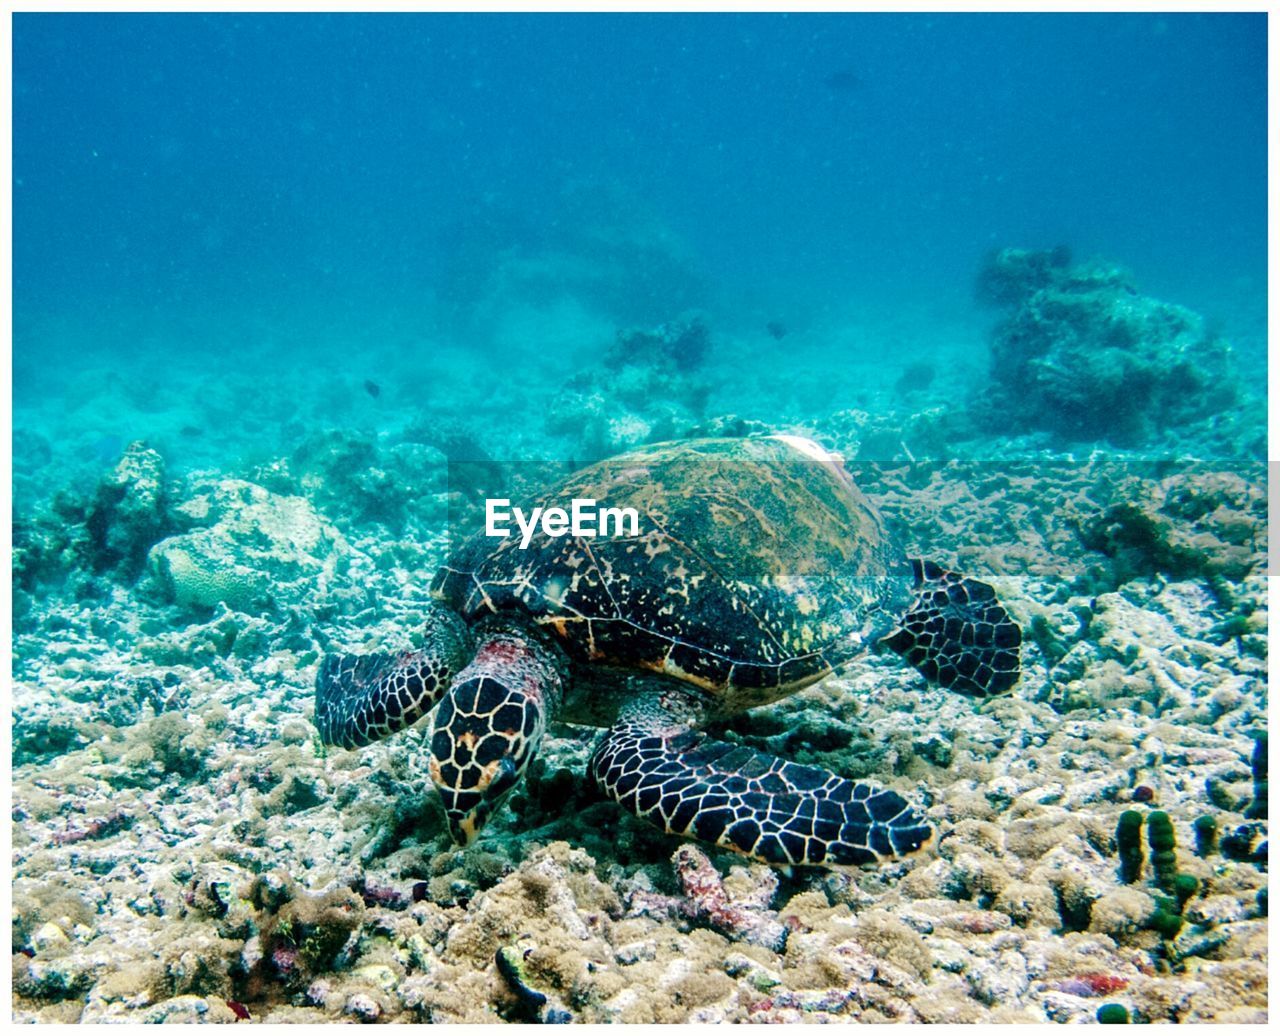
{"x": 777, "y": 329}
{"x": 372, "y": 388}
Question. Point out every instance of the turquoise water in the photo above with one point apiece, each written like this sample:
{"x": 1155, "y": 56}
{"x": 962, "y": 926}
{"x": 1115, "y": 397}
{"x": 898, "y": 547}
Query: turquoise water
{"x": 311, "y": 200}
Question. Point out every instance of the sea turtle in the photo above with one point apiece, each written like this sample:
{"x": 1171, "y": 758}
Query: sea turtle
{"x": 757, "y": 568}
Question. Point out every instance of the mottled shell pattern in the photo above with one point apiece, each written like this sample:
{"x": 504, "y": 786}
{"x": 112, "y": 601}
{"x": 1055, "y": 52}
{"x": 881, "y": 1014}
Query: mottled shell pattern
{"x": 758, "y": 567}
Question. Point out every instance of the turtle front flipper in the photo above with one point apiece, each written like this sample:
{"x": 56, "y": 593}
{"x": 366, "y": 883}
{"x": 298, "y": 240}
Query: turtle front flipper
{"x": 958, "y": 635}
{"x": 361, "y": 698}
{"x": 737, "y": 798}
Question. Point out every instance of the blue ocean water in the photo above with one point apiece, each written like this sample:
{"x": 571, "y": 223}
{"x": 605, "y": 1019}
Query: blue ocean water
{"x": 209, "y": 191}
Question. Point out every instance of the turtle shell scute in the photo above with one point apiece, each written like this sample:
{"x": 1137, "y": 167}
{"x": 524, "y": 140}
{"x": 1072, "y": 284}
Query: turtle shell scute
{"x": 756, "y": 568}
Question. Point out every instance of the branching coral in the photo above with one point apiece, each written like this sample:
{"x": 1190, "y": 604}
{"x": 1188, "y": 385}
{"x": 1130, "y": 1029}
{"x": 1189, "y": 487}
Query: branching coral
{"x": 744, "y": 916}
{"x": 1082, "y": 355}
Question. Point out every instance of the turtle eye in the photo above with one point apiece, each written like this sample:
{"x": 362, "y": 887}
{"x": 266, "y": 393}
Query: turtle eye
{"x": 504, "y": 779}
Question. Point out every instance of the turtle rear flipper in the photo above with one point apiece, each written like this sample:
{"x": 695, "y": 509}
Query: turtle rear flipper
{"x": 737, "y": 798}
{"x": 958, "y": 635}
{"x": 361, "y": 698}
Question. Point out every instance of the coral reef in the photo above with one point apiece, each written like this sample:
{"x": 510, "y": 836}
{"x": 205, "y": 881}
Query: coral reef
{"x": 129, "y": 511}
{"x": 1084, "y": 356}
{"x": 1010, "y": 276}
{"x": 647, "y": 389}
{"x": 255, "y": 551}
{"x": 75, "y": 538}
{"x": 355, "y": 480}
{"x": 185, "y": 850}
{"x": 1019, "y": 915}
{"x": 1194, "y": 524}
{"x": 680, "y": 343}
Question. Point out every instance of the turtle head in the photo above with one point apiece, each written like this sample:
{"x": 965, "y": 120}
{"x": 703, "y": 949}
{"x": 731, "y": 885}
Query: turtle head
{"x": 490, "y": 724}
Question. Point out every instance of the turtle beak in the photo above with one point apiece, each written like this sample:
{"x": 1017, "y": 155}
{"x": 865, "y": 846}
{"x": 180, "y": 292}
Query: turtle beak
{"x": 467, "y": 811}
{"x": 463, "y": 827}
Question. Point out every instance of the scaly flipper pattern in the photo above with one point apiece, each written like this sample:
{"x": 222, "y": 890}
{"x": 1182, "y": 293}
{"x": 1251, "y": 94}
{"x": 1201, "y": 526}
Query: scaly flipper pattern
{"x": 958, "y": 635}
{"x": 362, "y": 698}
{"x": 737, "y": 798}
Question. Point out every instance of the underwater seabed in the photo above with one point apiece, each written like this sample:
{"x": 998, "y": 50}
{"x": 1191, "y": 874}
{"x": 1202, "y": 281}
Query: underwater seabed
{"x": 185, "y": 848}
